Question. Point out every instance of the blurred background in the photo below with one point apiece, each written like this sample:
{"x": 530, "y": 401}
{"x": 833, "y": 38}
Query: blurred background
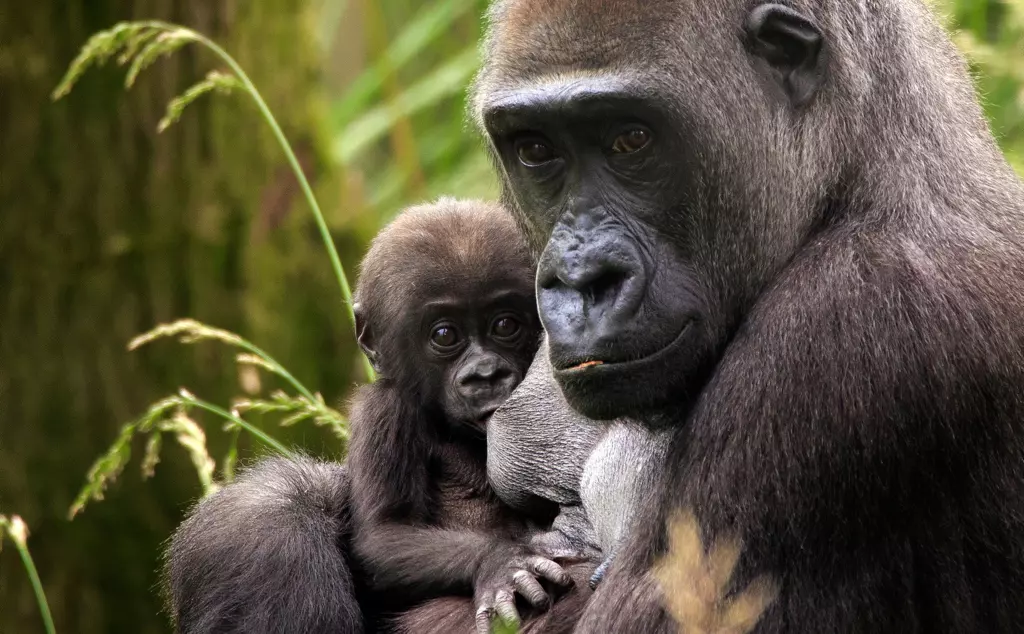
{"x": 107, "y": 229}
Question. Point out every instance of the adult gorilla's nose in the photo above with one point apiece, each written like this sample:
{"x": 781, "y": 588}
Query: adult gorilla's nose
{"x": 590, "y": 286}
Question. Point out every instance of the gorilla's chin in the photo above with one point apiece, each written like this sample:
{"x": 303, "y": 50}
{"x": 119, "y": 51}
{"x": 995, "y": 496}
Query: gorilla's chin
{"x": 638, "y": 387}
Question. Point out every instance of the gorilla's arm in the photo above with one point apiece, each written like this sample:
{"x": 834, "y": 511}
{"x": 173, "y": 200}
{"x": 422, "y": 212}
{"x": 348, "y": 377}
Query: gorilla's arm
{"x": 397, "y": 537}
{"x": 393, "y": 502}
{"x": 265, "y": 554}
{"x": 424, "y": 561}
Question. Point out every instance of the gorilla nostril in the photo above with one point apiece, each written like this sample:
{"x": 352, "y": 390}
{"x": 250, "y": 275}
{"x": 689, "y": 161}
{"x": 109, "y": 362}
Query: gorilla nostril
{"x": 605, "y": 288}
{"x": 548, "y": 282}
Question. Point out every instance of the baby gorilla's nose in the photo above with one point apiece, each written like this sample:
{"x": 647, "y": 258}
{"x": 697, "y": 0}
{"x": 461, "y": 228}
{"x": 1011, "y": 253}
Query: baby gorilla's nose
{"x": 486, "y": 380}
{"x": 493, "y": 379}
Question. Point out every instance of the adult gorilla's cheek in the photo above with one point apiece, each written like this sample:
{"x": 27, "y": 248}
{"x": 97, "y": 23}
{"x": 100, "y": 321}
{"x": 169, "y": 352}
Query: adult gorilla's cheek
{"x": 624, "y": 321}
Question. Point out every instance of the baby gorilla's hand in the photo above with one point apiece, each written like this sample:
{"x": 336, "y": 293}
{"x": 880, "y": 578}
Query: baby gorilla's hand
{"x": 508, "y": 572}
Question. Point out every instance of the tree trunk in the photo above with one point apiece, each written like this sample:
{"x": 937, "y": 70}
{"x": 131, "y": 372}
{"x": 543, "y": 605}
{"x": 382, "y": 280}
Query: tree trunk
{"x": 107, "y": 229}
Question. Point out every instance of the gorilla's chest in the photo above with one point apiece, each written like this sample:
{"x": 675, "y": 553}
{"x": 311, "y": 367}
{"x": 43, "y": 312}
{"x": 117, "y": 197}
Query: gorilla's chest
{"x": 465, "y": 501}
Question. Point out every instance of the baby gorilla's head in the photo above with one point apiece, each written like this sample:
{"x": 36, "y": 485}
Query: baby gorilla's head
{"x": 445, "y": 308}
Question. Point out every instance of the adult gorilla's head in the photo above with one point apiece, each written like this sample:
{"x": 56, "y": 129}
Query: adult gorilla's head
{"x": 668, "y": 158}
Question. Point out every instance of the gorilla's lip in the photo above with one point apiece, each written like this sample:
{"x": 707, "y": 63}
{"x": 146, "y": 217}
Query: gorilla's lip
{"x": 598, "y": 365}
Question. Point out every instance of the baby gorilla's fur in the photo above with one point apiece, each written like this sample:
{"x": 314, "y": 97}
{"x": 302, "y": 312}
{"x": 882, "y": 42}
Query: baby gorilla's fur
{"x": 408, "y": 536}
{"x": 445, "y": 311}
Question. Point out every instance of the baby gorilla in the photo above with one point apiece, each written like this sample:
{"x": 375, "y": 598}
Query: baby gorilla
{"x": 445, "y": 311}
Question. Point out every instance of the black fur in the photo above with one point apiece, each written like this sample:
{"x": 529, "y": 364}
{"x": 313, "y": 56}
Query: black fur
{"x": 815, "y": 269}
{"x": 266, "y": 554}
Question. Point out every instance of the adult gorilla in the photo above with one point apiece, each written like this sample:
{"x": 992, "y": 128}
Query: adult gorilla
{"x": 788, "y": 228}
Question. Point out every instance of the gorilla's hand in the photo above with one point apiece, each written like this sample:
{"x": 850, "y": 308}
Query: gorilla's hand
{"x": 506, "y": 572}
{"x": 558, "y": 547}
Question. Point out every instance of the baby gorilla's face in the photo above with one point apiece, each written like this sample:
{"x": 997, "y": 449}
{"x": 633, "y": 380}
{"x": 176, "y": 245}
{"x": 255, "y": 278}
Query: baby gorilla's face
{"x": 479, "y": 349}
{"x": 446, "y": 311}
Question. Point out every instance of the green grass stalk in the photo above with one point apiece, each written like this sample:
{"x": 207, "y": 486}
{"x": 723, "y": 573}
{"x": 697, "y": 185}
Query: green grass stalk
{"x": 307, "y": 190}
{"x": 189, "y": 399}
{"x": 139, "y": 46}
{"x": 18, "y": 532}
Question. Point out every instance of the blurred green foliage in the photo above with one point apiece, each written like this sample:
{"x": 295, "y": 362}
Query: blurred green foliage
{"x": 108, "y": 230}
{"x": 991, "y": 34}
{"x": 400, "y": 127}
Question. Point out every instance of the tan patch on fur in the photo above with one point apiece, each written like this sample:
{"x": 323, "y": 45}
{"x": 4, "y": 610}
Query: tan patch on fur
{"x": 694, "y": 584}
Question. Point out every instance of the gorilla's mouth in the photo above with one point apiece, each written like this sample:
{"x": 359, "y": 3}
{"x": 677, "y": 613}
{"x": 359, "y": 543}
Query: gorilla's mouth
{"x": 597, "y": 365}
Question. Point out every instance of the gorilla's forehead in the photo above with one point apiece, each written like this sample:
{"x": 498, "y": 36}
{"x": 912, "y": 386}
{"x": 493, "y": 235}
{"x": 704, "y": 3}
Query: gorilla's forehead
{"x": 576, "y": 34}
{"x": 583, "y": 34}
{"x": 578, "y": 86}
{"x": 469, "y": 263}
{"x": 536, "y": 43}
{"x": 506, "y": 102}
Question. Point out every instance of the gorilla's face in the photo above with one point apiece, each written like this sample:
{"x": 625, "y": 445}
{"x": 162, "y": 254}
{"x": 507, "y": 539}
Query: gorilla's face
{"x": 475, "y": 351}
{"x": 595, "y": 169}
{"x": 649, "y": 187}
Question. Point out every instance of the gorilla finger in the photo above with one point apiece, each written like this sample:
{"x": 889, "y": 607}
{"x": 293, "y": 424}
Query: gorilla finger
{"x": 600, "y": 573}
{"x": 549, "y": 570}
{"x": 530, "y": 589}
{"x": 505, "y": 606}
{"x": 484, "y": 613}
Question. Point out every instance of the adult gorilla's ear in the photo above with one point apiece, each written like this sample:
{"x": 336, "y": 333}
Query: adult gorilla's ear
{"x": 793, "y": 46}
{"x": 364, "y": 336}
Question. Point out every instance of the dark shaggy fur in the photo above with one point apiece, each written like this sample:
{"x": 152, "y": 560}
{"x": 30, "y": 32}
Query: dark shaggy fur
{"x": 413, "y": 517}
{"x": 426, "y": 521}
{"x": 266, "y": 554}
{"x": 849, "y": 402}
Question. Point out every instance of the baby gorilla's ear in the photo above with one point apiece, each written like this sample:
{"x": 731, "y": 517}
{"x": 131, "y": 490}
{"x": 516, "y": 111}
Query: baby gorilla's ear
{"x": 364, "y": 335}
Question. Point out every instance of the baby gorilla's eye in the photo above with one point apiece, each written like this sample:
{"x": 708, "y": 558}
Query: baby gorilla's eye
{"x": 444, "y": 337}
{"x": 505, "y": 327}
{"x": 534, "y": 151}
{"x": 631, "y": 141}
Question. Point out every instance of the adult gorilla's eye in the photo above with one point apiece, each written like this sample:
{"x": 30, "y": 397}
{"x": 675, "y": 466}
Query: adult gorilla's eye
{"x": 534, "y": 151}
{"x": 444, "y": 337}
{"x": 505, "y": 327}
{"x": 631, "y": 141}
